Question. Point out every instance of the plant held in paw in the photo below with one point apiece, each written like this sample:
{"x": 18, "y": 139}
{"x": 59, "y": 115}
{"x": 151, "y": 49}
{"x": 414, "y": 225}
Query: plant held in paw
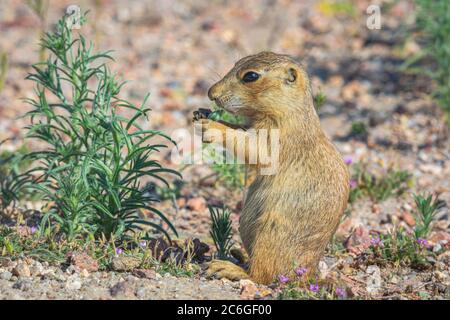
{"x": 96, "y": 156}
{"x": 221, "y": 230}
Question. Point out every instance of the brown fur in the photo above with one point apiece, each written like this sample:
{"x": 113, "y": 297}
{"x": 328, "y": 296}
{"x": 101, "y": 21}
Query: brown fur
{"x": 288, "y": 218}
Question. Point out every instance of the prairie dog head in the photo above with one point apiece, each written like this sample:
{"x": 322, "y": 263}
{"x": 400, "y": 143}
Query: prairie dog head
{"x": 264, "y": 84}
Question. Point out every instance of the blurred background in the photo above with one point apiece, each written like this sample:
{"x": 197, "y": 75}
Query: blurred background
{"x": 380, "y": 109}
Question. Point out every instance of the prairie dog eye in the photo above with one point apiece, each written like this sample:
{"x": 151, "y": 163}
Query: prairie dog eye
{"x": 250, "y": 76}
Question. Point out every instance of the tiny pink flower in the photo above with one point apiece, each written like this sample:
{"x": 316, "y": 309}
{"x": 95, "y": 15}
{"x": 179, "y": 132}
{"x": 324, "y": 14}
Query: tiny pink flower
{"x": 422, "y": 242}
{"x": 340, "y": 292}
{"x": 353, "y": 184}
{"x": 300, "y": 271}
{"x": 376, "y": 242}
{"x": 143, "y": 244}
{"x": 283, "y": 278}
{"x": 348, "y": 160}
{"x": 314, "y": 287}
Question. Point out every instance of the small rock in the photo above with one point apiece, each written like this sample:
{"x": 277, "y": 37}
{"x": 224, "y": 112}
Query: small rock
{"x": 73, "y": 284}
{"x": 36, "y": 268}
{"x": 145, "y": 273}
{"x": 248, "y": 289}
{"x": 437, "y": 247}
{"x": 24, "y": 231}
{"x": 21, "y": 270}
{"x": 23, "y": 284}
{"x": 408, "y": 218}
{"x": 323, "y": 270}
{"x": 72, "y": 269}
{"x": 197, "y": 204}
{"x": 441, "y": 276}
{"x": 439, "y": 236}
{"x": 263, "y": 293}
{"x": 5, "y": 262}
{"x": 359, "y": 241}
{"x": 141, "y": 292}
{"x": 373, "y": 283}
{"x": 82, "y": 260}
{"x": 346, "y": 269}
{"x": 6, "y": 275}
{"x": 123, "y": 289}
{"x": 84, "y": 273}
{"x": 395, "y": 279}
{"x": 125, "y": 263}
{"x": 181, "y": 202}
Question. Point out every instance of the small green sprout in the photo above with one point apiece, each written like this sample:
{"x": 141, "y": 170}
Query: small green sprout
{"x": 221, "y": 231}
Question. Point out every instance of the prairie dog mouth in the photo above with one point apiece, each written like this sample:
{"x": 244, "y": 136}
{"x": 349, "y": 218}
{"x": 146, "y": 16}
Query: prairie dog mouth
{"x": 232, "y": 108}
{"x": 229, "y": 103}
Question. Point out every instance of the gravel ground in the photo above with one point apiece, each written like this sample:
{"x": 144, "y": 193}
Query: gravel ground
{"x": 356, "y": 68}
{"x": 46, "y": 282}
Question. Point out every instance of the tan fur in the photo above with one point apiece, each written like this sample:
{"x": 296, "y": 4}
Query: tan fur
{"x": 288, "y": 218}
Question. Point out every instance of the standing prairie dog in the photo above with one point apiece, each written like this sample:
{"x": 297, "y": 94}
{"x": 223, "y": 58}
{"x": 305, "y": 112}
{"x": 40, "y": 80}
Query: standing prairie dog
{"x": 288, "y": 217}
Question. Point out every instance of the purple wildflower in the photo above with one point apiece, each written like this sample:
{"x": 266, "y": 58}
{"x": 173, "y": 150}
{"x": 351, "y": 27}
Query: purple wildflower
{"x": 33, "y": 230}
{"x": 314, "y": 287}
{"x": 340, "y": 292}
{"x": 143, "y": 244}
{"x": 376, "y": 242}
{"x": 119, "y": 251}
{"x": 300, "y": 271}
{"x": 283, "y": 278}
{"x": 348, "y": 160}
{"x": 353, "y": 184}
{"x": 422, "y": 242}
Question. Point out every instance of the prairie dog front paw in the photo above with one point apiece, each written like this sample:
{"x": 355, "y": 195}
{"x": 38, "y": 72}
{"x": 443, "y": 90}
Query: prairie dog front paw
{"x": 201, "y": 114}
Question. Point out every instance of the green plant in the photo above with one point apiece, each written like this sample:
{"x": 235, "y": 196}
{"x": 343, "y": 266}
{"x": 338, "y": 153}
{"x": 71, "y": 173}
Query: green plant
{"x": 427, "y": 208}
{"x": 405, "y": 248}
{"x": 433, "y": 24}
{"x": 221, "y": 232}
{"x": 170, "y": 192}
{"x": 400, "y": 248}
{"x": 96, "y": 156}
{"x": 337, "y": 7}
{"x": 3, "y": 69}
{"x": 43, "y": 245}
{"x": 221, "y": 114}
{"x": 230, "y": 174}
{"x": 393, "y": 183}
{"x": 319, "y": 100}
{"x": 358, "y": 129}
{"x": 13, "y": 179}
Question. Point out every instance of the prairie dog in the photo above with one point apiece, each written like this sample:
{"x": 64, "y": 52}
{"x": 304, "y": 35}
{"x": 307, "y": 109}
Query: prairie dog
{"x": 288, "y": 217}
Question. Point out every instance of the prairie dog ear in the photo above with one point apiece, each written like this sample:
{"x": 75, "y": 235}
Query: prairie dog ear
{"x": 291, "y": 76}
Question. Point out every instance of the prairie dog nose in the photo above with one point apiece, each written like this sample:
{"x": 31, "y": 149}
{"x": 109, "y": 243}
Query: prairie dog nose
{"x": 213, "y": 93}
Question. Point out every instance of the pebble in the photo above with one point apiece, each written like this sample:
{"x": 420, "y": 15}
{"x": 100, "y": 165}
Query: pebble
{"x": 23, "y": 284}
{"x": 21, "y": 270}
{"x": 6, "y": 275}
{"x": 36, "y": 269}
{"x": 373, "y": 284}
{"x": 123, "y": 289}
{"x": 197, "y": 204}
{"x": 73, "y": 284}
{"x": 141, "y": 292}
{"x": 124, "y": 263}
